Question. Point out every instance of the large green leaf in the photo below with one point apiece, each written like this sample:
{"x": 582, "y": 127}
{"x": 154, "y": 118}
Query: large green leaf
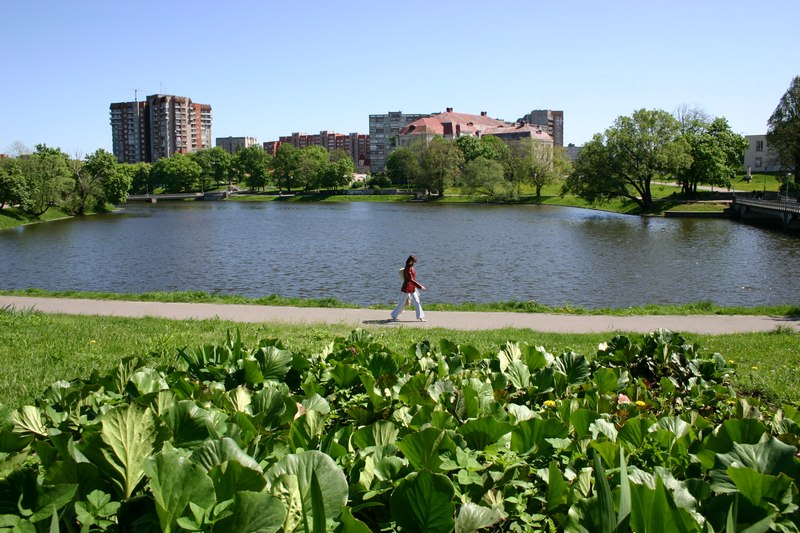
{"x": 634, "y": 431}
{"x": 530, "y": 435}
{"x": 253, "y": 512}
{"x": 581, "y": 420}
{"x": 381, "y": 433}
{"x": 175, "y": 482}
{"x": 770, "y": 457}
{"x": 518, "y": 374}
{"x": 422, "y": 448}
{"x": 472, "y": 517}
{"x": 291, "y": 481}
{"x": 190, "y": 424}
{"x": 129, "y": 434}
{"x": 557, "y": 489}
{"x": 742, "y": 431}
{"x": 760, "y": 488}
{"x": 575, "y": 367}
{"x": 148, "y": 381}
{"x": 28, "y": 421}
{"x": 482, "y": 432}
{"x": 275, "y": 362}
{"x": 423, "y": 502}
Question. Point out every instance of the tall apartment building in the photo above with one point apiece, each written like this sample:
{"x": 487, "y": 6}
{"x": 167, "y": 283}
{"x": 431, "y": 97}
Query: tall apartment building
{"x": 383, "y": 131}
{"x": 160, "y": 126}
{"x": 552, "y": 121}
{"x": 234, "y": 144}
{"x": 130, "y": 132}
{"x": 355, "y": 144}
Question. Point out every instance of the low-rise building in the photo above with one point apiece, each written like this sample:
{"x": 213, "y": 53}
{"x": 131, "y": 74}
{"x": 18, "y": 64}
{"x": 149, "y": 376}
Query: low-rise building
{"x": 234, "y": 144}
{"x": 758, "y": 157}
{"x": 452, "y": 125}
{"x": 383, "y": 131}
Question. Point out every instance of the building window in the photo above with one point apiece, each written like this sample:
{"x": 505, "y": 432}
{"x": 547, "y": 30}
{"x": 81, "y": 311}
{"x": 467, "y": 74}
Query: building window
{"x": 759, "y": 146}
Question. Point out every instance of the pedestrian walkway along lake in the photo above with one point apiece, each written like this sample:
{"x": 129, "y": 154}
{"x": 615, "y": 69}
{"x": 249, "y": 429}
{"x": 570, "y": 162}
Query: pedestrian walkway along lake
{"x": 352, "y": 251}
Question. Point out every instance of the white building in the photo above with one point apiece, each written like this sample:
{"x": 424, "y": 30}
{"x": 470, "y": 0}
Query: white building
{"x": 758, "y": 157}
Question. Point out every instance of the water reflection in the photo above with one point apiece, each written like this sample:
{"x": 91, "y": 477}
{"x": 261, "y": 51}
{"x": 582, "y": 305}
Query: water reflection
{"x": 351, "y": 252}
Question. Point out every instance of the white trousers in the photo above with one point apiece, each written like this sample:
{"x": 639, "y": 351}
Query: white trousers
{"x": 414, "y": 300}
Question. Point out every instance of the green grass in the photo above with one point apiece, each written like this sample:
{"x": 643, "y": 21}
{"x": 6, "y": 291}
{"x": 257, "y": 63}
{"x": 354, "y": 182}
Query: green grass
{"x": 11, "y": 217}
{"x": 695, "y": 308}
{"x": 38, "y": 349}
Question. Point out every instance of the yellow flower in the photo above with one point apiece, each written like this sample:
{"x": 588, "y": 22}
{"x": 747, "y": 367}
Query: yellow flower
{"x": 640, "y": 403}
{"x": 754, "y": 367}
{"x": 731, "y": 362}
{"x": 549, "y": 403}
{"x": 92, "y": 341}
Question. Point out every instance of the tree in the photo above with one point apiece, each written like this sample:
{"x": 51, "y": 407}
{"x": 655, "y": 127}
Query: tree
{"x": 783, "y": 131}
{"x": 339, "y": 171}
{"x": 139, "y": 176}
{"x": 48, "y": 178}
{"x": 13, "y": 186}
{"x": 538, "y": 163}
{"x": 311, "y": 165}
{"x": 284, "y": 167}
{"x": 441, "y": 164}
{"x": 403, "y": 165}
{"x": 252, "y": 164}
{"x": 178, "y": 173}
{"x": 622, "y": 162}
{"x": 89, "y": 177}
{"x": 488, "y": 147}
{"x": 486, "y": 177}
{"x": 215, "y": 164}
{"x": 716, "y": 152}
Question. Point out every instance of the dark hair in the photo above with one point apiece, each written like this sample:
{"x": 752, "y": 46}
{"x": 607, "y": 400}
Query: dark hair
{"x": 411, "y": 260}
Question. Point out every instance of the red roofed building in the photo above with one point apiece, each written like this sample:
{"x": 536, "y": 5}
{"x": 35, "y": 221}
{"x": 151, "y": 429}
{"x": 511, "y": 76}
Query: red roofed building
{"x": 451, "y": 125}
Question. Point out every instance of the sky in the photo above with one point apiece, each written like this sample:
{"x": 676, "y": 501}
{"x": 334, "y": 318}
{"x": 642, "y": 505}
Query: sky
{"x": 270, "y": 68}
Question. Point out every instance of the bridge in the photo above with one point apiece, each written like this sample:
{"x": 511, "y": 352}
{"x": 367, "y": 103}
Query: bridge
{"x": 787, "y": 210}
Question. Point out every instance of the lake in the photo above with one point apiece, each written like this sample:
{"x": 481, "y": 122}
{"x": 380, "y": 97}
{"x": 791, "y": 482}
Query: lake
{"x": 352, "y": 252}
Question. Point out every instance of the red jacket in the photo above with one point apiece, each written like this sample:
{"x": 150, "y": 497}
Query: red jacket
{"x": 409, "y": 280}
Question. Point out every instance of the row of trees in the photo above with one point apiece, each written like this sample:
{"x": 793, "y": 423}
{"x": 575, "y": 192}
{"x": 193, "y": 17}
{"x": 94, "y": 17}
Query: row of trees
{"x": 689, "y": 147}
{"x": 48, "y": 177}
{"x": 484, "y": 166}
{"x": 292, "y": 168}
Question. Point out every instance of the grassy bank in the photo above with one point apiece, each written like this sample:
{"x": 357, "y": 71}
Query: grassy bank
{"x": 695, "y": 308}
{"x": 11, "y": 217}
{"x": 38, "y": 349}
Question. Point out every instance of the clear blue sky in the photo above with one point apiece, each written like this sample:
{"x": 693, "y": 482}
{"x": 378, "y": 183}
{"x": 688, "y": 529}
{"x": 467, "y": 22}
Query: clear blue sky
{"x": 272, "y": 68}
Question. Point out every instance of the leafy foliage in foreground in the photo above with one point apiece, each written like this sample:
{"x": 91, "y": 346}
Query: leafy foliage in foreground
{"x": 648, "y": 436}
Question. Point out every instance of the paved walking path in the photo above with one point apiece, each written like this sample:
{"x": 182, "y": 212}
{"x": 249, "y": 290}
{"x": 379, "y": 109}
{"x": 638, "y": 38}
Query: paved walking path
{"x": 545, "y": 322}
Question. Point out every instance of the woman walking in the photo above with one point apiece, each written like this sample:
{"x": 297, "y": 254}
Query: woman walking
{"x": 410, "y": 288}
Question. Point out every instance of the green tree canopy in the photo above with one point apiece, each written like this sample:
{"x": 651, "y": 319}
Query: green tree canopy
{"x": 13, "y": 185}
{"x": 90, "y": 177}
{"x": 623, "y": 161}
{"x": 284, "y": 167}
{"x": 311, "y": 165}
{"x": 716, "y": 152}
{"x": 403, "y": 165}
{"x": 339, "y": 171}
{"x": 179, "y": 173}
{"x": 48, "y": 177}
{"x": 252, "y": 164}
{"x": 486, "y": 177}
{"x": 441, "y": 165}
{"x": 783, "y": 131}
{"x": 215, "y": 164}
{"x": 488, "y": 147}
{"x": 139, "y": 174}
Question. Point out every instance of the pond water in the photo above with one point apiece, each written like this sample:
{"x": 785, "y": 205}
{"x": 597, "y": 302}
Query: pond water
{"x": 352, "y": 252}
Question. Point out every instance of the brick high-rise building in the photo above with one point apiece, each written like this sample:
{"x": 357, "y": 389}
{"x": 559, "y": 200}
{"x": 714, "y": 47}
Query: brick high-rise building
{"x": 160, "y": 126}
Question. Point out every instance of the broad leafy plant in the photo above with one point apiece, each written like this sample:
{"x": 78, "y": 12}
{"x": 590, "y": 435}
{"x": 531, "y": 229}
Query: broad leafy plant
{"x": 645, "y": 435}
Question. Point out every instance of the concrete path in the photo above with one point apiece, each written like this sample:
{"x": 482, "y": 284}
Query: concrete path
{"x": 545, "y": 322}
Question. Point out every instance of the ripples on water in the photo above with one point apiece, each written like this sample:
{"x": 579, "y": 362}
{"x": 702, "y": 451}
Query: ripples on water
{"x": 352, "y": 251}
